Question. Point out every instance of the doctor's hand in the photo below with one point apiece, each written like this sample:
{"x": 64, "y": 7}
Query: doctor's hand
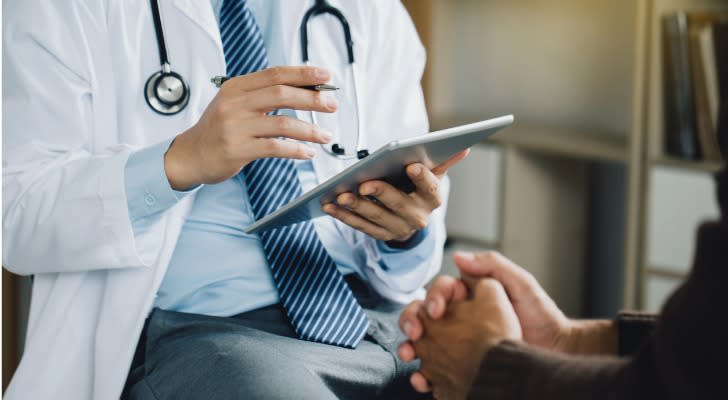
{"x": 235, "y": 130}
{"x": 389, "y": 214}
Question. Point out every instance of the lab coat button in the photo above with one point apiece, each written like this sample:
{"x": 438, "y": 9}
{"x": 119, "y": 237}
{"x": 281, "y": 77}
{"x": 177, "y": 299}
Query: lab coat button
{"x": 150, "y": 200}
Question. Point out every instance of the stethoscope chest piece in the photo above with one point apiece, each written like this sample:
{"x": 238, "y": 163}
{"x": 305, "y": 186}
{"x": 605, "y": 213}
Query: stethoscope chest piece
{"x": 166, "y": 92}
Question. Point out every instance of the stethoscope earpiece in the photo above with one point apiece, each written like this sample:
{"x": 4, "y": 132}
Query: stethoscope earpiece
{"x": 336, "y": 149}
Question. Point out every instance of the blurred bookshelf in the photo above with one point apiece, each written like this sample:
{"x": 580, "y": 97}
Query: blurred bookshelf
{"x": 583, "y": 78}
{"x": 580, "y": 144}
{"x": 701, "y": 166}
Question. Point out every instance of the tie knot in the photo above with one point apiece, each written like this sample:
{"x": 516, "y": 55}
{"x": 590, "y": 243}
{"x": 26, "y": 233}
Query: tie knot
{"x": 241, "y": 39}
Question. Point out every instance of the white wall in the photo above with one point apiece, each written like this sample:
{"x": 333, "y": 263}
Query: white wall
{"x": 551, "y": 62}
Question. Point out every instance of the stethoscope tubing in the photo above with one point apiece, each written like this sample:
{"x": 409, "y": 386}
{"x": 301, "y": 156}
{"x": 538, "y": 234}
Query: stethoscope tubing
{"x": 319, "y": 8}
{"x": 173, "y": 82}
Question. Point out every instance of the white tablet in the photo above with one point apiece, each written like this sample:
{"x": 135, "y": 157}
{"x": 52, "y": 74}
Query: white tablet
{"x": 388, "y": 163}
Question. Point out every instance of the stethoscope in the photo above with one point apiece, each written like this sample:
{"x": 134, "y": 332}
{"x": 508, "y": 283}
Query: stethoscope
{"x": 319, "y": 8}
{"x": 167, "y": 92}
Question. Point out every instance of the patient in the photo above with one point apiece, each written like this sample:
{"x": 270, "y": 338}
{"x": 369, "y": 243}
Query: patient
{"x": 496, "y": 334}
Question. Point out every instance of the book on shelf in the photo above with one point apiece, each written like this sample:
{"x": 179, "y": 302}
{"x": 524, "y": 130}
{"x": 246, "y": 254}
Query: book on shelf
{"x": 704, "y": 76}
{"x": 693, "y": 80}
{"x": 720, "y": 42}
{"x": 680, "y": 138}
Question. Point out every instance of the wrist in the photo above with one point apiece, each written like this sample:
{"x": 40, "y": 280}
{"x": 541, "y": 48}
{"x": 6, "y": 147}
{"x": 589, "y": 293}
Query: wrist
{"x": 400, "y": 242}
{"x": 589, "y": 337}
{"x": 408, "y": 243}
{"x": 177, "y": 163}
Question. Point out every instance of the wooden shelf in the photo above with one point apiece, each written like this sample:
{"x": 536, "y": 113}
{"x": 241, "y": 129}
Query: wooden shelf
{"x": 701, "y": 166}
{"x": 454, "y": 240}
{"x": 665, "y": 273}
{"x": 583, "y": 144}
{"x": 573, "y": 143}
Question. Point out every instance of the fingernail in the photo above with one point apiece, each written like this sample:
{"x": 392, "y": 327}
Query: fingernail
{"x": 328, "y": 208}
{"x": 330, "y": 101}
{"x": 407, "y": 328}
{"x": 416, "y": 170}
{"x": 431, "y": 308}
{"x": 343, "y": 200}
{"x": 322, "y": 74}
{"x": 326, "y": 135}
{"x": 366, "y": 191}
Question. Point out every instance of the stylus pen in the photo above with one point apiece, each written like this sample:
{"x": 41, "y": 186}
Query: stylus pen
{"x": 219, "y": 80}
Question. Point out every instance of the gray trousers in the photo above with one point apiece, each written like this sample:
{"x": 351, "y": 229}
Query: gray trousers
{"x": 256, "y": 355}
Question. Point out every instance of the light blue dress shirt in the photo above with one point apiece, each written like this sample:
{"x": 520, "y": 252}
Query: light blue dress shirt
{"x": 216, "y": 268}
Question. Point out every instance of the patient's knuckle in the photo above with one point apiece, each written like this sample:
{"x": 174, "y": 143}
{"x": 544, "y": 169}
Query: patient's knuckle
{"x": 442, "y": 282}
{"x": 489, "y": 285}
{"x": 489, "y": 257}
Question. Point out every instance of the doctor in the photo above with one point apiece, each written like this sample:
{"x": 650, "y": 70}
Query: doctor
{"x": 130, "y": 219}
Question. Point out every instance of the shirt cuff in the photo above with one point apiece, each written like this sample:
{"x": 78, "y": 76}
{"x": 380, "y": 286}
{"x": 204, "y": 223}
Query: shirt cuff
{"x": 409, "y": 244}
{"x": 148, "y": 190}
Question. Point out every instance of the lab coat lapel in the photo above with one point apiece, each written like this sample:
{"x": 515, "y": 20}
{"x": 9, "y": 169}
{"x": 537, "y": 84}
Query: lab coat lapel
{"x": 200, "y": 12}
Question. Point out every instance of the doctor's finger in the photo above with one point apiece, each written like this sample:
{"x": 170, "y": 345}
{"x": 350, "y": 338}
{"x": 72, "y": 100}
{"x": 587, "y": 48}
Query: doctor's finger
{"x": 442, "y": 168}
{"x": 375, "y": 213}
{"x": 357, "y": 222}
{"x": 427, "y": 185}
{"x": 292, "y": 128}
{"x": 293, "y": 76}
{"x": 281, "y": 96}
{"x": 399, "y": 202}
{"x": 279, "y": 148}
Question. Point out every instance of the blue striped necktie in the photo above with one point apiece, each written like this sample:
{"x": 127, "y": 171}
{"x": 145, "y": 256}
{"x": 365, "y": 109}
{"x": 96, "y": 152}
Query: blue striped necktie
{"x": 319, "y": 303}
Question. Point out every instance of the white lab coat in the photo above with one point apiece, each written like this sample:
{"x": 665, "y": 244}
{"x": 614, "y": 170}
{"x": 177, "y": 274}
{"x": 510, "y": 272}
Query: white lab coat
{"x": 73, "y": 110}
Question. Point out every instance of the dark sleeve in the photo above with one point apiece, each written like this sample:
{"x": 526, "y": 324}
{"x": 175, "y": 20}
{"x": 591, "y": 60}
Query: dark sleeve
{"x": 683, "y": 358}
{"x": 634, "y": 328}
{"x": 518, "y": 371}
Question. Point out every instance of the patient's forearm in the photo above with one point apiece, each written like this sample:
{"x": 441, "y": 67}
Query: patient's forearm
{"x": 591, "y": 337}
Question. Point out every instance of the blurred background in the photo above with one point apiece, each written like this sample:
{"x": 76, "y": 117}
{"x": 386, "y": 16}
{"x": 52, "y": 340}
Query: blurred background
{"x": 584, "y": 190}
